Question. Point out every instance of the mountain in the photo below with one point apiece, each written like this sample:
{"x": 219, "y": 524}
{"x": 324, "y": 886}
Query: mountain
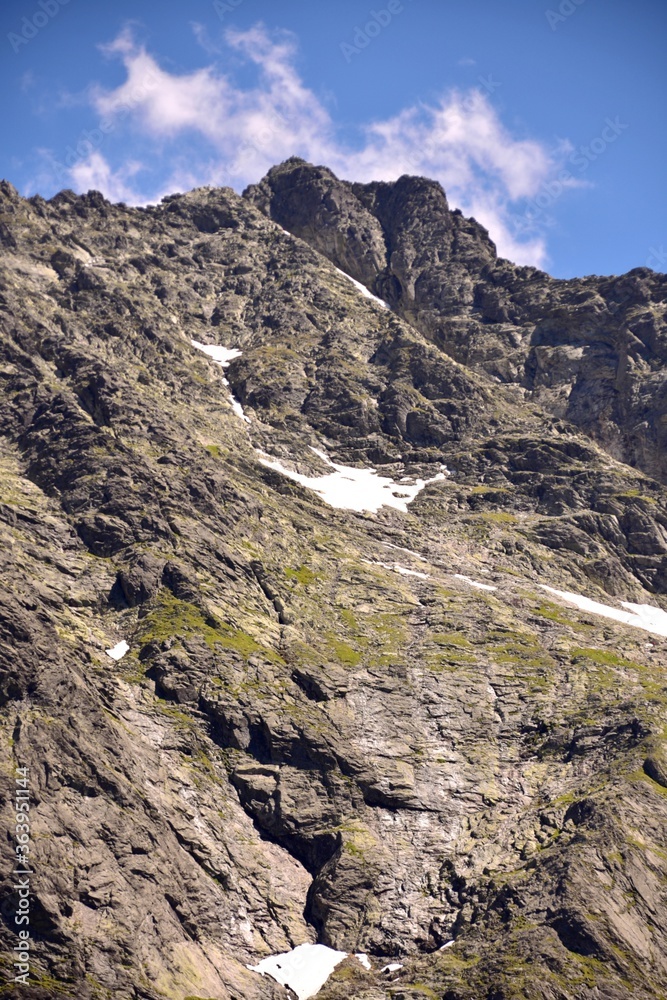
{"x": 591, "y": 350}
{"x": 418, "y": 713}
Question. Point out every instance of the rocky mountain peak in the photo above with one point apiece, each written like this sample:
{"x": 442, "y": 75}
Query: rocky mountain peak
{"x": 590, "y": 350}
{"x": 334, "y": 601}
{"x": 375, "y": 232}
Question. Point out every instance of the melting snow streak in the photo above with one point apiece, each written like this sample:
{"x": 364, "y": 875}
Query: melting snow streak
{"x": 474, "y": 583}
{"x": 222, "y": 356}
{"x": 397, "y": 568}
{"x": 644, "y": 616}
{"x": 364, "y": 291}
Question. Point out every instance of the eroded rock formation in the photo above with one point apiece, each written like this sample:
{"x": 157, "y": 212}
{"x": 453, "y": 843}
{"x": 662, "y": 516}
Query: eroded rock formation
{"x": 322, "y": 730}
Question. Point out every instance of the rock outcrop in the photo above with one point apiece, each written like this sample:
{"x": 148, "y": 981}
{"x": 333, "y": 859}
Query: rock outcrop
{"x": 590, "y": 350}
{"x": 373, "y": 730}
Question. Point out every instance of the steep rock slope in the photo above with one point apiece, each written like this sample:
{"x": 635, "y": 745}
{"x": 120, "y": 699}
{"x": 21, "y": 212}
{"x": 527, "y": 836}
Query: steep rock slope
{"x": 325, "y": 728}
{"x": 591, "y": 350}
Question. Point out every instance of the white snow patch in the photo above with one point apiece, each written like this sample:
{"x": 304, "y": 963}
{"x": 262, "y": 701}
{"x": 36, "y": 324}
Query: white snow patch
{"x": 365, "y": 961}
{"x": 355, "y": 489}
{"x": 118, "y": 651}
{"x": 447, "y": 944}
{"x": 305, "y": 969}
{"x": 364, "y": 291}
{"x": 397, "y": 568}
{"x": 400, "y": 548}
{"x": 222, "y": 356}
{"x": 392, "y": 967}
{"x": 238, "y": 409}
{"x": 474, "y": 583}
{"x": 645, "y": 616}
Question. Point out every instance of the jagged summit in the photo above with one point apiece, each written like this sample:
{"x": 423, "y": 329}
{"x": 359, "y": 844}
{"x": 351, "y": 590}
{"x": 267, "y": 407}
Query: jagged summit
{"x": 590, "y": 350}
{"x": 333, "y": 604}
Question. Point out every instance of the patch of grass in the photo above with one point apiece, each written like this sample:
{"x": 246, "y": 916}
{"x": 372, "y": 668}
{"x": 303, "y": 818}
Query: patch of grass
{"x": 133, "y": 672}
{"x": 349, "y": 619}
{"x": 454, "y": 647}
{"x": 301, "y": 652}
{"x": 343, "y": 652}
{"x": 602, "y": 656}
{"x": 302, "y": 575}
{"x": 172, "y": 618}
{"x": 180, "y": 719}
{"x": 388, "y": 626}
{"x": 526, "y": 659}
{"x": 451, "y": 639}
{"x": 633, "y": 495}
{"x": 358, "y": 840}
{"x": 519, "y": 648}
{"x": 482, "y": 490}
{"x": 53, "y": 986}
{"x": 452, "y": 663}
{"x": 655, "y": 786}
{"x": 554, "y": 613}
{"x": 499, "y": 517}
{"x": 451, "y": 961}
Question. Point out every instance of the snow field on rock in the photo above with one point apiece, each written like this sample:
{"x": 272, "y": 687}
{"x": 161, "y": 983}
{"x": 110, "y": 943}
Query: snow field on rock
{"x": 118, "y": 651}
{"x": 644, "y": 616}
{"x": 363, "y": 490}
{"x": 305, "y": 969}
{"x": 360, "y": 490}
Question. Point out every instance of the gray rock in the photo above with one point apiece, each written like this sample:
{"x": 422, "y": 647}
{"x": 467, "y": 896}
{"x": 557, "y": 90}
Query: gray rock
{"x": 305, "y": 742}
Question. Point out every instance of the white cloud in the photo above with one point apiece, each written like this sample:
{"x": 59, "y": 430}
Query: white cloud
{"x": 204, "y": 40}
{"x": 95, "y": 174}
{"x": 460, "y": 140}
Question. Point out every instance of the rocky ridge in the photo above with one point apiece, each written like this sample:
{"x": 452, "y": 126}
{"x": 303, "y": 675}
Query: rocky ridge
{"x": 322, "y": 731}
{"x": 590, "y": 350}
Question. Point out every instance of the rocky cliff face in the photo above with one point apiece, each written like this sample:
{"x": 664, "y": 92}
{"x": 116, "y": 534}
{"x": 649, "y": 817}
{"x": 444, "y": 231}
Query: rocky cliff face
{"x": 370, "y": 728}
{"x": 590, "y": 350}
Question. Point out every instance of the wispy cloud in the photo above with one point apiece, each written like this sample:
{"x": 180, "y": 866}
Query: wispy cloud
{"x": 459, "y": 140}
{"x": 95, "y": 174}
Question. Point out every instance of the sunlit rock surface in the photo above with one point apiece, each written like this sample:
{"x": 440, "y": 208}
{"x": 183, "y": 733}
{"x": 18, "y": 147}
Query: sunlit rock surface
{"x": 364, "y": 725}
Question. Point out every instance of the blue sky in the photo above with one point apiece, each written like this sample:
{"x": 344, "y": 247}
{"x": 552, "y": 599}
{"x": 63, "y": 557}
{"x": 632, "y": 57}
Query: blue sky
{"x": 545, "y": 120}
